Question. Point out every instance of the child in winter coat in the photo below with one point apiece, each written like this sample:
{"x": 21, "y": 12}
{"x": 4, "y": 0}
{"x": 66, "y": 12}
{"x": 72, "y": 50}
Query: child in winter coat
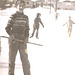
{"x": 69, "y": 25}
{"x": 36, "y": 25}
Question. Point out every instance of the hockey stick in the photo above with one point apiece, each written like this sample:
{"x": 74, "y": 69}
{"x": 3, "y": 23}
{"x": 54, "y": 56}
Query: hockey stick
{"x": 22, "y": 41}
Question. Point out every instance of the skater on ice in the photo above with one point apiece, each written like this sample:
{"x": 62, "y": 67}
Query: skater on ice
{"x": 56, "y": 15}
{"x": 18, "y": 28}
{"x": 36, "y": 25}
{"x": 69, "y": 25}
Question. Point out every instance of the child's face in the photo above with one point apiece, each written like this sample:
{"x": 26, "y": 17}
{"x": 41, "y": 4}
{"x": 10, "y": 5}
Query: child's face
{"x": 69, "y": 18}
{"x": 21, "y": 7}
{"x": 39, "y": 15}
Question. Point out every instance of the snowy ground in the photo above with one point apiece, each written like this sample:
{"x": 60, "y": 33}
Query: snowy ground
{"x": 57, "y": 55}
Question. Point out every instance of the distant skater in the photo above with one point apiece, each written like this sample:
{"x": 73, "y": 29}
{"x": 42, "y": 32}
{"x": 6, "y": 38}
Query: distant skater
{"x": 56, "y": 15}
{"x": 69, "y": 25}
{"x": 36, "y": 25}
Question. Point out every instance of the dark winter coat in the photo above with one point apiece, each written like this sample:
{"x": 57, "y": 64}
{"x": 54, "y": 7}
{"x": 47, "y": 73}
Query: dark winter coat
{"x": 37, "y": 22}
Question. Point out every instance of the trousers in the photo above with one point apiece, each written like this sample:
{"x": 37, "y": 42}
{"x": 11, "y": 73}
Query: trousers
{"x": 36, "y": 31}
{"x": 14, "y": 47}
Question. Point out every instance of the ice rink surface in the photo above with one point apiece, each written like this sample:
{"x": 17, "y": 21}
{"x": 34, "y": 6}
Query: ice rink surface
{"x": 56, "y": 56}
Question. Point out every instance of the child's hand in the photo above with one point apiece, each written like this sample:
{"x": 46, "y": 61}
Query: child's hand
{"x": 26, "y": 40}
{"x": 63, "y": 24}
{"x": 43, "y": 26}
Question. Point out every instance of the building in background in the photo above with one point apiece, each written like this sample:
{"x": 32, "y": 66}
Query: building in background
{"x": 66, "y": 5}
{"x": 5, "y": 3}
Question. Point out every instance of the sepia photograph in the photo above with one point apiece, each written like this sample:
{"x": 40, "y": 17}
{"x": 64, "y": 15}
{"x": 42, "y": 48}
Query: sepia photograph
{"x": 37, "y": 37}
